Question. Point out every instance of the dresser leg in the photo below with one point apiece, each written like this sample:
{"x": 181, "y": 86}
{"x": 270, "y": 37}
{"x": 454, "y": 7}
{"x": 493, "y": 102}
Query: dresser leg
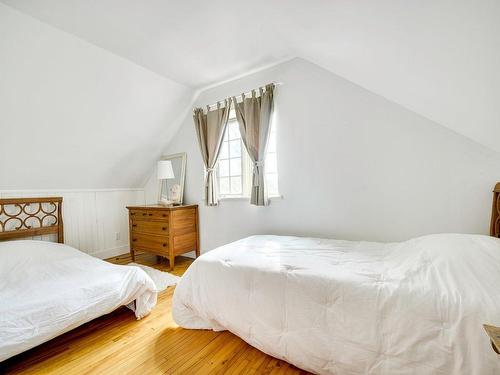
{"x": 171, "y": 257}
{"x": 132, "y": 254}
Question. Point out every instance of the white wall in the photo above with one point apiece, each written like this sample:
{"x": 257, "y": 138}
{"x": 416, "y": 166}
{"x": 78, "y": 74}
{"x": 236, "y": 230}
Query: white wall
{"x": 80, "y": 122}
{"x": 352, "y": 165}
{"x": 75, "y": 116}
{"x": 93, "y": 219}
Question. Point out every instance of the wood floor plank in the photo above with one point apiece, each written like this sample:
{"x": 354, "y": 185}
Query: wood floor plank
{"x": 118, "y": 344}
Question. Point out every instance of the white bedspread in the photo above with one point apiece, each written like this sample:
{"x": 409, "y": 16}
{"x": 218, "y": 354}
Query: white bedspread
{"x": 340, "y": 307}
{"x": 47, "y": 289}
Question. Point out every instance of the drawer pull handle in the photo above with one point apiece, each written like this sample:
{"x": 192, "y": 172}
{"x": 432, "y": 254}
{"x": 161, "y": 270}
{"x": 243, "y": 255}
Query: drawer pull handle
{"x": 144, "y": 214}
{"x": 164, "y": 245}
{"x": 134, "y": 225}
{"x": 134, "y": 239}
{"x": 163, "y": 228}
{"x": 150, "y": 214}
{"x": 164, "y": 215}
{"x": 132, "y": 213}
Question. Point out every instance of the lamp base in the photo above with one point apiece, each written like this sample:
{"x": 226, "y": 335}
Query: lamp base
{"x": 165, "y": 202}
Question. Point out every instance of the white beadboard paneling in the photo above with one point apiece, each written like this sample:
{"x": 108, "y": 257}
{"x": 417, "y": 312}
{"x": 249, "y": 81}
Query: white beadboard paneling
{"x": 91, "y": 217}
{"x": 108, "y": 224}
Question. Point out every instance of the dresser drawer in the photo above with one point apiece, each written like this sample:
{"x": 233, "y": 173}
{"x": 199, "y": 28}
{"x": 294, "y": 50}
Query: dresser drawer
{"x": 148, "y": 215}
{"x": 147, "y": 242}
{"x": 152, "y": 227}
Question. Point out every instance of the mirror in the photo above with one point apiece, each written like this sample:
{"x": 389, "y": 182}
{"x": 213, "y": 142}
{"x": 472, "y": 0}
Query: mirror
{"x": 173, "y": 189}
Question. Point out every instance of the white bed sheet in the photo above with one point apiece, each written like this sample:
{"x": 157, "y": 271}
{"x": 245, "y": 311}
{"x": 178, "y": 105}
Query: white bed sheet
{"x": 340, "y": 307}
{"x": 47, "y": 289}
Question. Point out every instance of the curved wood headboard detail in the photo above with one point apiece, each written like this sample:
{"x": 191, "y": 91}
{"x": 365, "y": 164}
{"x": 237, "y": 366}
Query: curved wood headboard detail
{"x": 495, "y": 212}
{"x": 28, "y": 217}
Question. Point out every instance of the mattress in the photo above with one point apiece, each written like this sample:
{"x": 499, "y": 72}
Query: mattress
{"x": 47, "y": 289}
{"x": 341, "y": 307}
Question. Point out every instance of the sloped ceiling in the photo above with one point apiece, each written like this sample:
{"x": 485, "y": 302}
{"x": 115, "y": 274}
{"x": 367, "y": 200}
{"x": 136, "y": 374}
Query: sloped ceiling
{"x": 439, "y": 58}
{"x": 75, "y": 116}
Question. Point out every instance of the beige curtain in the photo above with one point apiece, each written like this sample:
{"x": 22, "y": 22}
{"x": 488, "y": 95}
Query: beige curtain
{"x": 210, "y": 128}
{"x": 254, "y": 117}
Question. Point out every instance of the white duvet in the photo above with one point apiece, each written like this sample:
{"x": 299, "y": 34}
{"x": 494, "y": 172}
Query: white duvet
{"x": 47, "y": 289}
{"x": 340, "y": 307}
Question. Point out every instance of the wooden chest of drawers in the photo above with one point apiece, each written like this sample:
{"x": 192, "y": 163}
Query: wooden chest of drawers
{"x": 164, "y": 231}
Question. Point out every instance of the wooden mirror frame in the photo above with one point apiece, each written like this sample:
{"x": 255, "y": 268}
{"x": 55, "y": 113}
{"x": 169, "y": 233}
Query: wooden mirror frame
{"x": 183, "y": 157}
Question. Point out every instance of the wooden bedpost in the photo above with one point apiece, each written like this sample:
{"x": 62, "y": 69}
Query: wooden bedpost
{"x": 60, "y": 227}
{"x": 495, "y": 212}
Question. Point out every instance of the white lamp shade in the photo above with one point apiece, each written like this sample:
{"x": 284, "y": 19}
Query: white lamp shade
{"x": 164, "y": 170}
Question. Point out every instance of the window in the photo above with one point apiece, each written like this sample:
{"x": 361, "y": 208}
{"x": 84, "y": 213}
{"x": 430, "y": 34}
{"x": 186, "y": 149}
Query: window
{"x": 234, "y": 169}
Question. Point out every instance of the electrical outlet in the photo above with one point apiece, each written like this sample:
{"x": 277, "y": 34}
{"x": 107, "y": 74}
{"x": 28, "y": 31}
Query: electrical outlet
{"x": 117, "y": 236}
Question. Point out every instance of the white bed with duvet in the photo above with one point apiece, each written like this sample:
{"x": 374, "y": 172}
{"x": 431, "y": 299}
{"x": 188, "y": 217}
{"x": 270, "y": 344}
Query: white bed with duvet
{"x": 340, "y": 307}
{"x": 47, "y": 289}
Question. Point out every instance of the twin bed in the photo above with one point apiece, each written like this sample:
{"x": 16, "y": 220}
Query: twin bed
{"x": 327, "y": 306}
{"x": 342, "y": 307}
{"x": 47, "y": 289}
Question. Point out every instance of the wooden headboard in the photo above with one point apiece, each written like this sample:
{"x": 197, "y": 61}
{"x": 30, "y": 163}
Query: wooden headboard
{"x": 28, "y": 217}
{"x": 495, "y": 212}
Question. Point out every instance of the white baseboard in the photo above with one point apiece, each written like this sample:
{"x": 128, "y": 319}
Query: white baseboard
{"x": 192, "y": 254}
{"x": 113, "y": 252}
{"x": 120, "y": 250}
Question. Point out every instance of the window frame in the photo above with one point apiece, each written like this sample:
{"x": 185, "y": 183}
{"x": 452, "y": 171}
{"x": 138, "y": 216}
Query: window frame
{"x": 246, "y": 165}
{"x": 243, "y": 163}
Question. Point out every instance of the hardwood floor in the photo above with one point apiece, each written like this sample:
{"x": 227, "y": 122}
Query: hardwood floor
{"x": 119, "y": 344}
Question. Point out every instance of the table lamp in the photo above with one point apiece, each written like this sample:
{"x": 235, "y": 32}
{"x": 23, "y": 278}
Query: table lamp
{"x": 164, "y": 172}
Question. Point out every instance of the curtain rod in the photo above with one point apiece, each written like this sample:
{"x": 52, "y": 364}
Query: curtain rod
{"x": 246, "y": 93}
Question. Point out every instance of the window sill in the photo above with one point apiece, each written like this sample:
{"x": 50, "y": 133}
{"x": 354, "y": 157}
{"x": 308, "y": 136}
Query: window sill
{"x": 242, "y": 198}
